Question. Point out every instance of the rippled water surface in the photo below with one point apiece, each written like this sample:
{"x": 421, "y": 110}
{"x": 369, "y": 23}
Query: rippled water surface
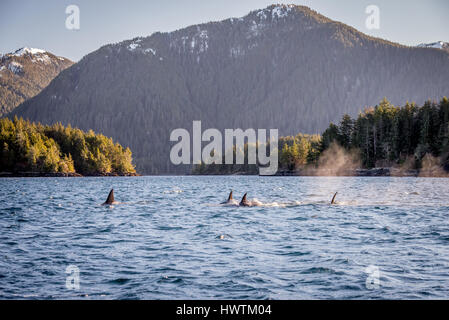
{"x": 171, "y": 239}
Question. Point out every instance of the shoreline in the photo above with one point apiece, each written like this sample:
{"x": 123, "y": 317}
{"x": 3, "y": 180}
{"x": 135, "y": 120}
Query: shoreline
{"x": 61, "y": 175}
{"x": 436, "y": 172}
{"x": 374, "y": 172}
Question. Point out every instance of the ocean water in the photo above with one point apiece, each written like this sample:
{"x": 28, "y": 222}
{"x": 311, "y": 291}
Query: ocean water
{"x": 170, "y": 238}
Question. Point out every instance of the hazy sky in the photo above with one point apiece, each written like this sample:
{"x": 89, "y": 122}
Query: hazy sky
{"x": 41, "y": 24}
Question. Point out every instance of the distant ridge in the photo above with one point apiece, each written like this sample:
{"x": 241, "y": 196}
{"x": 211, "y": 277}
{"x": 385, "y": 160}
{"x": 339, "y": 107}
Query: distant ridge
{"x": 285, "y": 67}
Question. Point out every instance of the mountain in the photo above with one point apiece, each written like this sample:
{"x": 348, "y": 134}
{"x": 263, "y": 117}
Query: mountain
{"x": 24, "y": 73}
{"x": 436, "y": 45}
{"x": 284, "y": 67}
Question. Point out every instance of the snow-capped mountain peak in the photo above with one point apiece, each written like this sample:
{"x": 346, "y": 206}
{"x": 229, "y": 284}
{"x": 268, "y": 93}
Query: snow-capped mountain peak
{"x": 24, "y": 73}
{"x": 33, "y": 54}
{"x": 26, "y": 50}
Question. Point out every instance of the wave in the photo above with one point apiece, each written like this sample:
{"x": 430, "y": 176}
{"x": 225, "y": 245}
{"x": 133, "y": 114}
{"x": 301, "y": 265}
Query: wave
{"x": 174, "y": 190}
{"x": 257, "y": 203}
{"x": 294, "y": 203}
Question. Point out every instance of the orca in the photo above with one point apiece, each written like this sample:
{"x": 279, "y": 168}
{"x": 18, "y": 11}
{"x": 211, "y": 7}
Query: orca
{"x": 110, "y": 199}
{"x": 333, "y": 198}
{"x": 244, "y": 202}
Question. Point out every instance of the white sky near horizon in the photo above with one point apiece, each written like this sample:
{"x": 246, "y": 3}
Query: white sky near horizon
{"x": 41, "y": 24}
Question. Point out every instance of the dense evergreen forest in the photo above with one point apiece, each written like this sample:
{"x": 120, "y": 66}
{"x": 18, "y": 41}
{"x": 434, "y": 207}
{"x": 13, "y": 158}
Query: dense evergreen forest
{"x": 387, "y": 135}
{"x": 33, "y": 147}
{"x": 410, "y": 137}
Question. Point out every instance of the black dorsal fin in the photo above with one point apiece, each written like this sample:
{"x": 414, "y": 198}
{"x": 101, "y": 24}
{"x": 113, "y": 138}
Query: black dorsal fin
{"x": 333, "y": 198}
{"x": 244, "y": 201}
{"x": 110, "y": 199}
{"x": 230, "y": 196}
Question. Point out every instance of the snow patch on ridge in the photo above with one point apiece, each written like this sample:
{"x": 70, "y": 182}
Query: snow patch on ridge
{"x": 276, "y": 12}
{"x": 133, "y": 46}
{"x": 150, "y": 50}
{"x": 263, "y": 21}
{"x": 255, "y": 29}
{"x": 203, "y": 44}
{"x": 436, "y": 45}
{"x": 42, "y": 58}
{"x": 261, "y": 14}
{"x": 15, "y": 67}
{"x": 281, "y": 11}
{"x": 136, "y": 46}
{"x": 198, "y": 43}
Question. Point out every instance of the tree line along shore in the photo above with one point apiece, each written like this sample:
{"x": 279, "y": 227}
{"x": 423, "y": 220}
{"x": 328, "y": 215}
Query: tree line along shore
{"x": 32, "y": 149}
{"x": 383, "y": 140}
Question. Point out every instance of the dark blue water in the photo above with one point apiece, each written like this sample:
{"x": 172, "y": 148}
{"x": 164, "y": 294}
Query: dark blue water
{"x": 170, "y": 238}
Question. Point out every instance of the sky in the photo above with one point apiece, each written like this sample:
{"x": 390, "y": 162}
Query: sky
{"x": 42, "y": 24}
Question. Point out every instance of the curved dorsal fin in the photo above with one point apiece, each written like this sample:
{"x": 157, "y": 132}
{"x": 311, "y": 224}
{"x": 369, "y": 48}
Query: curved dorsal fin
{"x": 110, "y": 199}
{"x": 333, "y": 198}
{"x": 244, "y": 202}
{"x": 230, "y": 196}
